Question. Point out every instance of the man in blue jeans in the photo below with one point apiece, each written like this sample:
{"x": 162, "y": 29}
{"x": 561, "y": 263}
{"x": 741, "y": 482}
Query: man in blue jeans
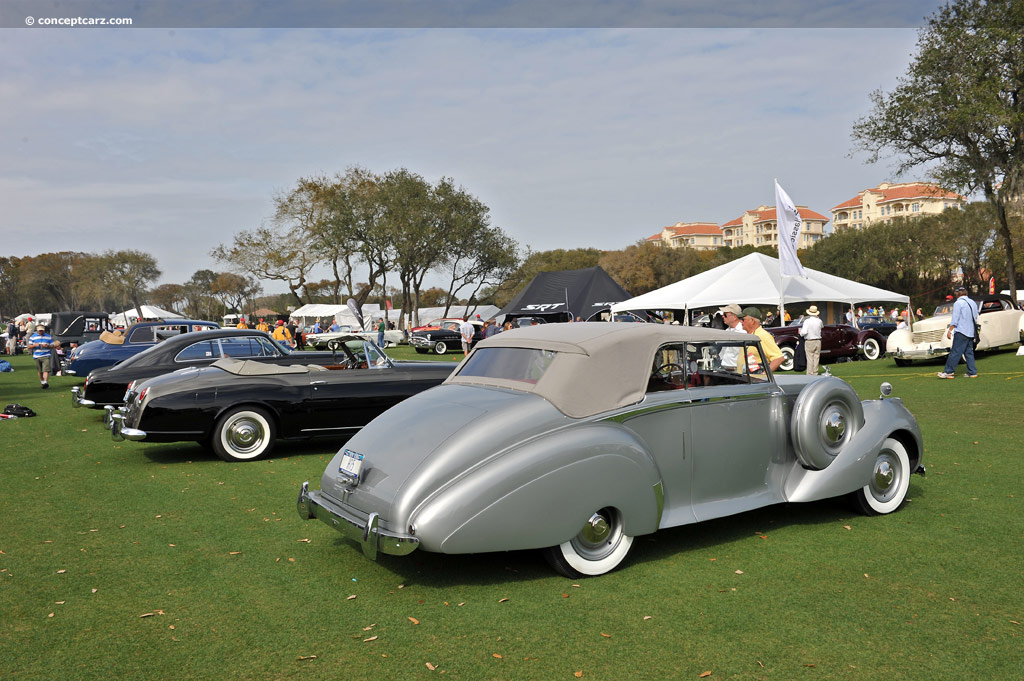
{"x": 961, "y": 330}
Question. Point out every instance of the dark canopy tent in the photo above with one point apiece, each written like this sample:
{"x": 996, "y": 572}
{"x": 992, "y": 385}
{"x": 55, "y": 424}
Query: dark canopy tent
{"x": 563, "y": 296}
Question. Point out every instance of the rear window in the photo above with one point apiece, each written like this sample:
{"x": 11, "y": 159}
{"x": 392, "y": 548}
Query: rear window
{"x": 513, "y": 364}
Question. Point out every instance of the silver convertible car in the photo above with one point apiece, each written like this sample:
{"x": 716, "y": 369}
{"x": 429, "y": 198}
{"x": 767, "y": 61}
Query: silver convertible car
{"x": 576, "y": 438}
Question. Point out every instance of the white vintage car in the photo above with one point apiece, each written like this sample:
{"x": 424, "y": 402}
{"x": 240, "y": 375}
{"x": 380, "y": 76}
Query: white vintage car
{"x": 1002, "y": 323}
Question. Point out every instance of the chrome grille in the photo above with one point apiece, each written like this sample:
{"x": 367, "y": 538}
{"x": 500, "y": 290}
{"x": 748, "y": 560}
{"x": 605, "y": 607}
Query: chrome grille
{"x": 929, "y": 336}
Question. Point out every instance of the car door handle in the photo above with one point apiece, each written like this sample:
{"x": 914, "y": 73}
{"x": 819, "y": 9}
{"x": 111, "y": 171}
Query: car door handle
{"x": 318, "y": 382}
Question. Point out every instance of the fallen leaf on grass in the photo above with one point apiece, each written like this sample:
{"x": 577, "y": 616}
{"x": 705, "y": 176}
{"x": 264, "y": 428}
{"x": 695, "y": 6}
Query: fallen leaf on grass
{"x": 496, "y": 655}
{"x": 305, "y": 540}
{"x": 502, "y": 600}
{"x": 60, "y": 572}
{"x": 234, "y": 553}
{"x": 431, "y": 667}
{"x": 350, "y": 597}
{"x": 305, "y": 657}
{"x": 578, "y": 675}
{"x": 413, "y": 620}
{"x": 647, "y": 617}
{"x": 1014, "y": 622}
{"x": 565, "y": 595}
{"x": 606, "y": 635}
{"x": 367, "y": 640}
{"x": 847, "y": 527}
{"x": 704, "y": 674}
{"x": 50, "y": 615}
{"x": 739, "y": 572}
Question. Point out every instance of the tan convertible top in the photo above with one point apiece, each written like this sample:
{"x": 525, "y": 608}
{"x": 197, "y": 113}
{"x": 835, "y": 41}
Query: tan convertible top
{"x": 600, "y": 365}
{"x": 246, "y": 367}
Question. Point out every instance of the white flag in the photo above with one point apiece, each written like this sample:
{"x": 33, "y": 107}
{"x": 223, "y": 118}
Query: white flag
{"x": 788, "y": 221}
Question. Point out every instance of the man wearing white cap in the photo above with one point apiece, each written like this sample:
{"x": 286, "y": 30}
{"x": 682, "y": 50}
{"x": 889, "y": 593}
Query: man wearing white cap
{"x": 731, "y": 316}
{"x": 811, "y": 331}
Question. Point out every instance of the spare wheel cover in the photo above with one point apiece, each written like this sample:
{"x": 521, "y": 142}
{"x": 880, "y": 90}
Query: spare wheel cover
{"x": 826, "y": 416}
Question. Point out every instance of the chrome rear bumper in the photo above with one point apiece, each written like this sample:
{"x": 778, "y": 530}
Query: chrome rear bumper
{"x": 77, "y": 400}
{"x": 365, "y": 532}
{"x": 120, "y": 432}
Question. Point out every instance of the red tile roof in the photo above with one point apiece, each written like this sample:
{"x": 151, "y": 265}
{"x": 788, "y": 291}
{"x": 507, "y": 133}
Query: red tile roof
{"x": 902, "y": 192}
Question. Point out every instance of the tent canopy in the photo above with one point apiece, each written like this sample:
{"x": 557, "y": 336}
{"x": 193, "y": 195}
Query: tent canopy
{"x": 131, "y": 316}
{"x": 566, "y": 294}
{"x": 755, "y": 279}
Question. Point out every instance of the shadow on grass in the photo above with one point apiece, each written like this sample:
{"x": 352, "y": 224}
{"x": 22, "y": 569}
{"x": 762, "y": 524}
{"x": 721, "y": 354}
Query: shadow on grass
{"x": 183, "y": 452}
{"x": 440, "y": 570}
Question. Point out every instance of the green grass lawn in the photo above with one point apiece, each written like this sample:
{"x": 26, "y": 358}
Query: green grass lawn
{"x": 144, "y": 561}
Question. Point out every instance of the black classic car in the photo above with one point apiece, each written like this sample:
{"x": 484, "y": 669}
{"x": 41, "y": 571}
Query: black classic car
{"x": 200, "y": 348}
{"x": 837, "y": 340}
{"x": 881, "y": 324}
{"x": 78, "y": 327}
{"x": 240, "y": 407}
{"x": 444, "y": 338}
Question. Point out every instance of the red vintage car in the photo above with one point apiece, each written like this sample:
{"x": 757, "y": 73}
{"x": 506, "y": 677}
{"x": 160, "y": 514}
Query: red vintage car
{"x": 837, "y": 340}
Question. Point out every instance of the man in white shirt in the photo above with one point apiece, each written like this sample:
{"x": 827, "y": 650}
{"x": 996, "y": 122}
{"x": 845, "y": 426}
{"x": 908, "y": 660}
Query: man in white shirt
{"x": 811, "y": 331}
{"x": 466, "y": 330}
{"x": 731, "y": 316}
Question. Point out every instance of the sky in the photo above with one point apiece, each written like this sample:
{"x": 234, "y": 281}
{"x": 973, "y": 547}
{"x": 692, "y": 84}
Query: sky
{"x": 593, "y": 129}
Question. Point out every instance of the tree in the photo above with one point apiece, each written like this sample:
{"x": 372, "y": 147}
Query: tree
{"x": 235, "y": 290}
{"x": 280, "y": 253}
{"x": 168, "y": 296}
{"x": 129, "y": 274}
{"x": 959, "y": 110}
{"x": 645, "y": 266}
{"x": 197, "y": 292}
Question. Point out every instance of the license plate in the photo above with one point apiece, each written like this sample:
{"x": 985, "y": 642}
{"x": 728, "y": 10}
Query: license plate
{"x": 351, "y": 466}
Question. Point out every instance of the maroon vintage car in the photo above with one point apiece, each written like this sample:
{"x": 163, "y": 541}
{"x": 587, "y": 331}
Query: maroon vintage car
{"x": 837, "y": 340}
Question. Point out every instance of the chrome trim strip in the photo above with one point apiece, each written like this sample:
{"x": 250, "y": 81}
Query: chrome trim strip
{"x": 330, "y": 429}
{"x": 621, "y": 418}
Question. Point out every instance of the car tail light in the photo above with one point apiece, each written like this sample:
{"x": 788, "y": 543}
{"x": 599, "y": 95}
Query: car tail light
{"x": 132, "y": 384}
{"x": 142, "y": 395}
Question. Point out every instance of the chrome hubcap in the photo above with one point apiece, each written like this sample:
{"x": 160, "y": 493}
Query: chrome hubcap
{"x": 599, "y": 536}
{"x": 244, "y": 436}
{"x": 835, "y": 427}
{"x": 886, "y": 478}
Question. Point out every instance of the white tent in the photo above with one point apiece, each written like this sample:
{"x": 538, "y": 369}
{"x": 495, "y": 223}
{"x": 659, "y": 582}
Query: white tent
{"x": 131, "y": 316}
{"x": 755, "y": 279}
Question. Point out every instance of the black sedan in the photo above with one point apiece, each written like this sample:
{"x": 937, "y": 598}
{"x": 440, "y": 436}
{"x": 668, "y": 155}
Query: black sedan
{"x": 108, "y": 385}
{"x": 444, "y": 338}
{"x": 240, "y": 407}
{"x": 883, "y": 325}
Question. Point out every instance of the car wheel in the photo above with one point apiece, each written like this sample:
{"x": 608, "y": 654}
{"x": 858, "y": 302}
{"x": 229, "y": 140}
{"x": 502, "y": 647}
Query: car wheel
{"x": 790, "y": 361}
{"x": 244, "y": 434}
{"x": 826, "y": 416}
{"x": 599, "y": 547}
{"x": 890, "y": 478}
{"x": 334, "y": 344}
{"x": 901, "y": 362}
{"x": 872, "y": 350}
{"x": 440, "y": 347}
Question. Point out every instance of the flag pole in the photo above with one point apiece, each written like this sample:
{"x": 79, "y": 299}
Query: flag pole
{"x": 782, "y": 277}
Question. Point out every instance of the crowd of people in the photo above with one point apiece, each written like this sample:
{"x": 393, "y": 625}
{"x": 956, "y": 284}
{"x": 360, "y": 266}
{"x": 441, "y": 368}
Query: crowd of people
{"x": 33, "y": 336}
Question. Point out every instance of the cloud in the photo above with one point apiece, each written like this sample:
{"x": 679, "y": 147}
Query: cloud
{"x": 173, "y": 140}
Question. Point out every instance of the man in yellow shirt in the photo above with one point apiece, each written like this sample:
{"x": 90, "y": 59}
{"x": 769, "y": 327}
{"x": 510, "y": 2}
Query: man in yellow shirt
{"x": 262, "y": 326}
{"x": 242, "y": 324}
{"x": 282, "y": 334}
{"x": 751, "y": 321}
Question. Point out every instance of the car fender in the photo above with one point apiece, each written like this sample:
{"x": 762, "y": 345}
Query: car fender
{"x": 851, "y": 469}
{"x": 540, "y": 493}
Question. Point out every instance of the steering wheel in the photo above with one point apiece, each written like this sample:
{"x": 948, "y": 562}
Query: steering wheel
{"x": 670, "y": 373}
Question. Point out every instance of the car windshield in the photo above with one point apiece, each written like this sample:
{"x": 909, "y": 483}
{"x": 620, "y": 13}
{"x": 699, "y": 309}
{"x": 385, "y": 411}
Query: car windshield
{"x": 367, "y": 353}
{"x": 514, "y": 364}
{"x": 695, "y": 365}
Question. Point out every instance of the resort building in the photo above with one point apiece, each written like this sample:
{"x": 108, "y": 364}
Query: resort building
{"x": 886, "y": 201}
{"x": 759, "y": 227}
{"x": 701, "y": 236}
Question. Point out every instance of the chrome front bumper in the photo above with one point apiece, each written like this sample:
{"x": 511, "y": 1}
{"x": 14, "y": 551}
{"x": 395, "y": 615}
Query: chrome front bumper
{"x": 920, "y": 353}
{"x": 364, "y": 531}
{"x": 77, "y": 400}
{"x": 420, "y": 342}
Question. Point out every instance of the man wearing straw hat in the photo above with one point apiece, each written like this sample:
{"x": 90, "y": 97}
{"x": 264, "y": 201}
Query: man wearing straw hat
{"x": 811, "y": 331}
